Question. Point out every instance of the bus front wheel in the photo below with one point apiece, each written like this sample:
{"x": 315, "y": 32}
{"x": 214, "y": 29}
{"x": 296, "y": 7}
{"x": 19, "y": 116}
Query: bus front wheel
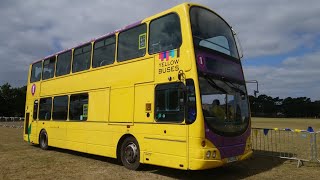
{"x": 43, "y": 140}
{"x": 130, "y": 153}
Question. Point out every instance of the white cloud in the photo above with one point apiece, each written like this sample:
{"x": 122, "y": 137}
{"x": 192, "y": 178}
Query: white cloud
{"x": 297, "y": 76}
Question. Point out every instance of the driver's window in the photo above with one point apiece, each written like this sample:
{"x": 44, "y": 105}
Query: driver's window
{"x": 214, "y": 105}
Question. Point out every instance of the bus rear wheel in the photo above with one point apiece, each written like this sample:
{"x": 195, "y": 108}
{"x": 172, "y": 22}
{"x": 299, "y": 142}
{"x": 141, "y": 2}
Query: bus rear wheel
{"x": 43, "y": 140}
{"x": 130, "y": 153}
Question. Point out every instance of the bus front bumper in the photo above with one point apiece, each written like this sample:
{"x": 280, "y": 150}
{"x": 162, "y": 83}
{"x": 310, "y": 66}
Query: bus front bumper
{"x": 202, "y": 164}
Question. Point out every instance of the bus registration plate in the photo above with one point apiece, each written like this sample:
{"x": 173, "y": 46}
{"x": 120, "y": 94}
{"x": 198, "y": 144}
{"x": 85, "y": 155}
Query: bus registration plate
{"x": 232, "y": 159}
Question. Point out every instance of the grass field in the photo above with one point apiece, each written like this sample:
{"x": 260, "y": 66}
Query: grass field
{"x": 292, "y": 123}
{"x": 20, "y": 160}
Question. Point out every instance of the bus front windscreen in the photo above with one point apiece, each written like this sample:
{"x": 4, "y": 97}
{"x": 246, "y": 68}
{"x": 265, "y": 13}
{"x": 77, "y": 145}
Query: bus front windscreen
{"x": 224, "y": 105}
{"x": 212, "y": 32}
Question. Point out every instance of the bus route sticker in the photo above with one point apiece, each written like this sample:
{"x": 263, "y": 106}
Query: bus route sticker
{"x": 142, "y": 41}
{"x": 85, "y": 110}
{"x": 33, "y": 89}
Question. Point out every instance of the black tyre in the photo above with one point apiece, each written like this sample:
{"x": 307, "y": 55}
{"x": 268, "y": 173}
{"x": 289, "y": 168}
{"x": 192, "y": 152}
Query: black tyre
{"x": 130, "y": 153}
{"x": 43, "y": 140}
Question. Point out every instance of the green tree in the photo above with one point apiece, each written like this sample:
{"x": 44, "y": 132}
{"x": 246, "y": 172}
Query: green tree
{"x": 12, "y": 100}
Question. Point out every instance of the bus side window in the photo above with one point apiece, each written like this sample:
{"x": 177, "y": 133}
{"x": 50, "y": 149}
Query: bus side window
{"x": 35, "y": 110}
{"x": 78, "y": 107}
{"x": 132, "y": 43}
{"x": 169, "y": 102}
{"x": 63, "y": 63}
{"x": 45, "y": 108}
{"x": 60, "y": 108}
{"x": 104, "y": 52}
{"x": 81, "y": 58}
{"x": 165, "y": 33}
{"x": 36, "y": 72}
{"x": 48, "y": 68}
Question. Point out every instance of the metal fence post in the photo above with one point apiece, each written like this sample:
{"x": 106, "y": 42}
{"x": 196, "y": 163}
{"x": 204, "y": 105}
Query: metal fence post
{"x": 313, "y": 147}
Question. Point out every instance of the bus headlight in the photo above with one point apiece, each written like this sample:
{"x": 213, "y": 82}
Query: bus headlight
{"x": 208, "y": 154}
{"x": 214, "y": 153}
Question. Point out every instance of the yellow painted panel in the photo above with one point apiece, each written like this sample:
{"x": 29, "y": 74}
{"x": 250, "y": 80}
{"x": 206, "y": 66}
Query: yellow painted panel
{"x": 99, "y": 105}
{"x": 101, "y": 150}
{"x": 103, "y": 138}
{"x": 121, "y": 105}
{"x": 34, "y": 126}
{"x": 76, "y": 132}
{"x": 57, "y": 143}
{"x": 164, "y": 140}
{"x": 57, "y": 130}
{"x": 165, "y": 160}
{"x": 144, "y": 94}
{"x": 76, "y": 146}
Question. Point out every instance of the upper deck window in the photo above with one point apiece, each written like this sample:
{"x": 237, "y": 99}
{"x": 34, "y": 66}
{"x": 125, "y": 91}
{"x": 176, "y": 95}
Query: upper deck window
{"x": 132, "y": 43}
{"x": 165, "y": 34}
{"x": 211, "y": 32}
{"x": 104, "y": 52}
{"x": 81, "y": 58}
{"x": 48, "y": 68}
{"x": 63, "y": 63}
{"x": 36, "y": 72}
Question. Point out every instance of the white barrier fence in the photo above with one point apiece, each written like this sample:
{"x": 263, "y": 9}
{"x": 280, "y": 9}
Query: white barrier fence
{"x": 300, "y": 145}
{"x": 11, "y": 122}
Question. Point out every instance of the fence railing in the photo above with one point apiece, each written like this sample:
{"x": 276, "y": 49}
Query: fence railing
{"x": 300, "y": 145}
{"x": 11, "y": 122}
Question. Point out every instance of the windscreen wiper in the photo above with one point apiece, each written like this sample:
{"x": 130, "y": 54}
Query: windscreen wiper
{"x": 234, "y": 87}
{"x": 212, "y": 83}
{"x": 211, "y": 42}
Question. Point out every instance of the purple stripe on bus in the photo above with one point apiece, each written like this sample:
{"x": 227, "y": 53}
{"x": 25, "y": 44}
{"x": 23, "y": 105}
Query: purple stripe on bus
{"x": 237, "y": 70}
{"x": 131, "y": 26}
{"x": 228, "y": 146}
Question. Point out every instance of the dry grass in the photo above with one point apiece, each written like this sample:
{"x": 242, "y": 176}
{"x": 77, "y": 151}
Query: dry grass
{"x": 292, "y": 123}
{"x": 19, "y": 160}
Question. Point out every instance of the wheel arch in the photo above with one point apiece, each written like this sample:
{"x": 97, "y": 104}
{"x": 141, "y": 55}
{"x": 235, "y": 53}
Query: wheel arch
{"x": 125, "y": 136}
{"x": 43, "y": 129}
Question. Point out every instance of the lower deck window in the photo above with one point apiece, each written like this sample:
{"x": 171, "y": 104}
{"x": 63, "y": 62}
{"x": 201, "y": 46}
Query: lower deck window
{"x": 45, "y": 108}
{"x": 60, "y": 108}
{"x": 78, "y": 107}
{"x": 169, "y": 102}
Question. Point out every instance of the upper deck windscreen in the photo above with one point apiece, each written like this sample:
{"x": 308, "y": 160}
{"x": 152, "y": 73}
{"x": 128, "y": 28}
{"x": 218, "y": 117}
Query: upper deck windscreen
{"x": 212, "y": 32}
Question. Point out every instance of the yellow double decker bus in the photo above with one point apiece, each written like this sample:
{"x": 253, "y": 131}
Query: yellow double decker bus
{"x": 168, "y": 90}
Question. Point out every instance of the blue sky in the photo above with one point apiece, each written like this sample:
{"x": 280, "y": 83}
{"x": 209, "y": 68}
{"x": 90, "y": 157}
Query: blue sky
{"x": 280, "y": 39}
